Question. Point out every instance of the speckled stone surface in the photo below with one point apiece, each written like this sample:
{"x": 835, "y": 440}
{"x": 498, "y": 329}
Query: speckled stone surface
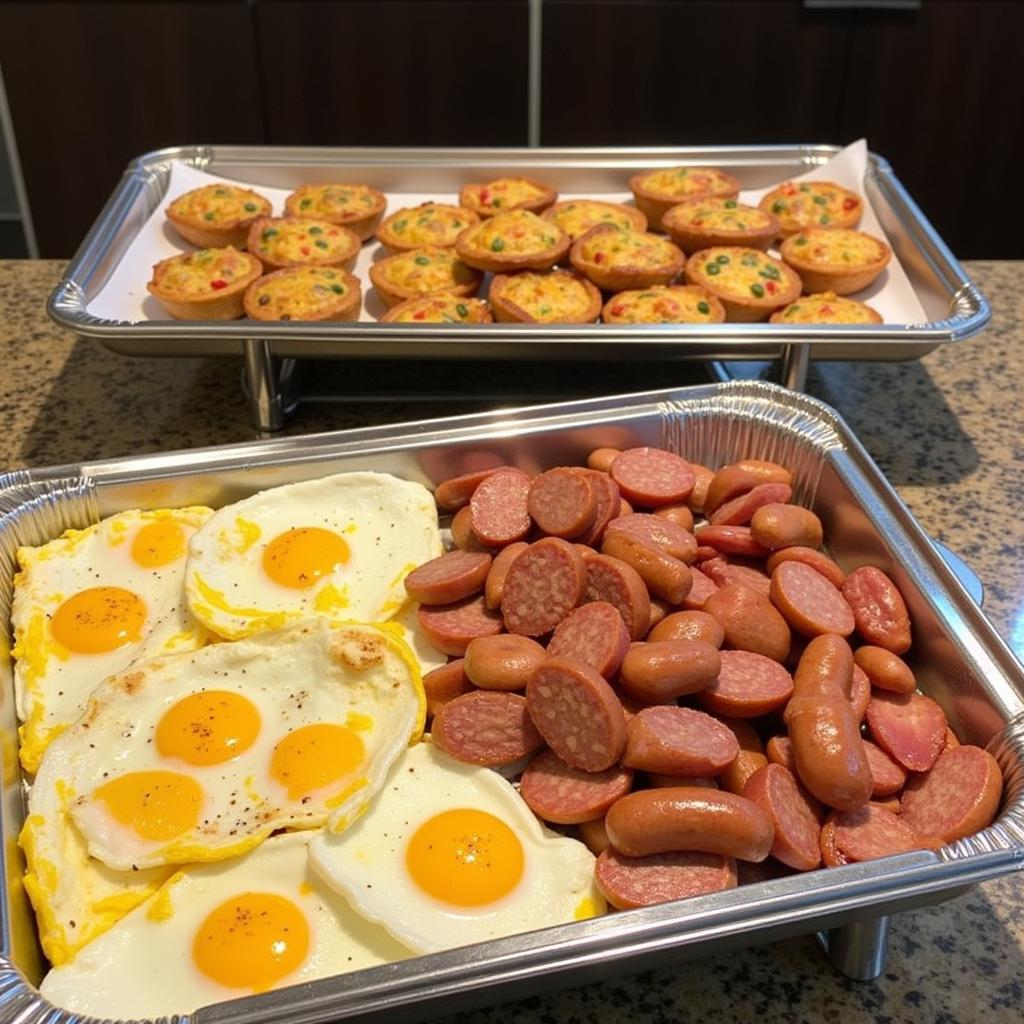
{"x": 947, "y": 430}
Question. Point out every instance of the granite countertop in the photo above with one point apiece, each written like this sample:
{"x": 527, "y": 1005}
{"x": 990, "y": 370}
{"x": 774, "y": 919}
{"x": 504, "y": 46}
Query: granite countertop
{"x": 947, "y": 430}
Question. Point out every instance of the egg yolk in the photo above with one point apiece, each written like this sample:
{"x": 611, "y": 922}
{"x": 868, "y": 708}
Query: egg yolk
{"x": 98, "y": 620}
{"x": 208, "y": 728}
{"x": 300, "y": 557}
{"x": 155, "y": 805}
{"x": 315, "y": 756}
{"x": 158, "y": 544}
{"x": 252, "y": 941}
{"x": 468, "y": 858}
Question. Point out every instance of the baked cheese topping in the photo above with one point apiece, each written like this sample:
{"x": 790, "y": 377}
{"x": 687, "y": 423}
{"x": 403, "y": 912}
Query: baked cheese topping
{"x": 425, "y": 270}
{"x": 428, "y": 224}
{"x": 614, "y": 248}
{"x": 301, "y": 240}
{"x": 299, "y": 293}
{"x": 827, "y": 308}
{"x": 807, "y": 203}
{"x": 441, "y": 309}
{"x": 717, "y": 215}
{"x": 195, "y": 274}
{"x": 339, "y": 203}
{"x": 516, "y": 233}
{"x": 683, "y": 182}
{"x": 577, "y": 216}
{"x": 836, "y": 247}
{"x": 747, "y": 274}
{"x": 219, "y": 206}
{"x": 501, "y": 194}
{"x": 550, "y": 298}
{"x": 664, "y": 304}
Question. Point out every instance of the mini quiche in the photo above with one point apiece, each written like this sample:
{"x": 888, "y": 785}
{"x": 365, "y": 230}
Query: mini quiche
{"x": 701, "y": 223}
{"x": 664, "y": 304}
{"x": 419, "y": 272}
{"x": 215, "y": 216}
{"x": 551, "y": 297}
{"x": 204, "y": 285}
{"x": 826, "y": 308}
{"x": 750, "y": 284}
{"x": 656, "y": 192}
{"x": 427, "y": 224}
{"x": 517, "y": 240}
{"x": 616, "y": 260}
{"x": 577, "y": 216}
{"x": 356, "y": 207}
{"x": 304, "y": 293}
{"x": 504, "y": 194}
{"x": 439, "y": 309}
{"x": 301, "y": 241}
{"x": 835, "y": 259}
{"x": 802, "y": 204}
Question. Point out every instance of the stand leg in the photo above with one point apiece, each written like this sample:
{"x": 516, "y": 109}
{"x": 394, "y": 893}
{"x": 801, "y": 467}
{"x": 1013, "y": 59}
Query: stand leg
{"x": 859, "y": 950}
{"x": 793, "y": 365}
{"x": 266, "y": 402}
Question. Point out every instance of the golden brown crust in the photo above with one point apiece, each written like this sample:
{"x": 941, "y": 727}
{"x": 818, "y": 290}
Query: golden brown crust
{"x": 819, "y": 273}
{"x": 517, "y": 240}
{"x": 826, "y": 308}
{"x": 326, "y": 244}
{"x": 800, "y": 204}
{"x": 438, "y": 309}
{"x": 454, "y": 276}
{"x": 726, "y": 222}
{"x": 749, "y": 283}
{"x": 485, "y": 199}
{"x": 413, "y": 227}
{"x": 507, "y": 310}
{"x": 260, "y": 305}
{"x": 208, "y": 230}
{"x": 593, "y": 212}
{"x": 664, "y": 304}
{"x": 356, "y": 207}
{"x": 224, "y": 300}
{"x": 655, "y": 199}
{"x": 626, "y": 259}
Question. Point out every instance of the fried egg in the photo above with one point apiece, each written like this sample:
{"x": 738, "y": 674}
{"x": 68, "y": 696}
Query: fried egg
{"x": 84, "y": 606}
{"x": 448, "y": 854}
{"x": 339, "y": 547}
{"x": 214, "y": 932}
{"x": 200, "y": 756}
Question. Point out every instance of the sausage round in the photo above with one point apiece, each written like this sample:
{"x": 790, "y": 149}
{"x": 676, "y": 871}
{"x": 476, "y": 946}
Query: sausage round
{"x": 702, "y": 477}
{"x": 866, "y": 834}
{"x": 692, "y": 625}
{"x": 463, "y": 536}
{"x": 728, "y": 483}
{"x": 444, "y": 684}
{"x": 878, "y": 609}
{"x": 562, "y": 502}
{"x": 494, "y": 586}
{"x": 665, "y": 577}
{"x": 612, "y": 580}
{"x": 701, "y": 589}
{"x": 829, "y": 754}
{"x": 721, "y": 571}
{"x": 486, "y": 728}
{"x": 679, "y": 515}
{"x": 559, "y": 793}
{"x": 453, "y": 494}
{"x": 730, "y": 540}
{"x": 766, "y": 471}
{"x": 809, "y": 603}
{"x": 601, "y": 459}
{"x": 780, "y": 525}
{"x": 796, "y": 830}
{"x": 824, "y": 672}
{"x": 609, "y": 505}
{"x": 663, "y": 670}
{"x": 815, "y": 559}
{"x": 909, "y": 727}
{"x": 450, "y": 627}
{"x": 593, "y": 633}
{"x": 750, "y": 758}
{"x": 750, "y": 621}
{"x": 499, "y": 506}
{"x": 502, "y": 662}
{"x": 748, "y": 685}
{"x": 543, "y": 584}
{"x": 740, "y": 510}
{"x": 652, "y": 476}
{"x": 678, "y": 741}
{"x": 885, "y": 670}
{"x": 887, "y": 776}
{"x": 449, "y": 577}
{"x": 657, "y": 532}
{"x": 631, "y": 882}
{"x": 595, "y": 836}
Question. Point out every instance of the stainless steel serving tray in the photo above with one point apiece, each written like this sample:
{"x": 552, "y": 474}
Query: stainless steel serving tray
{"x": 958, "y": 657}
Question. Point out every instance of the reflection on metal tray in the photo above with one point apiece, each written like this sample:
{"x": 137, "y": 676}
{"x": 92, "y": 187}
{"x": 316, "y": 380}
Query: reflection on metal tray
{"x": 957, "y": 657}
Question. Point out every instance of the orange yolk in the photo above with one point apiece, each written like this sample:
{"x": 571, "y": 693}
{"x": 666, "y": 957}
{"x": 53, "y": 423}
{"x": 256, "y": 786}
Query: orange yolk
{"x": 98, "y": 620}
{"x": 315, "y": 756}
{"x": 208, "y": 728}
{"x": 155, "y": 805}
{"x": 300, "y": 557}
{"x": 158, "y": 544}
{"x": 252, "y": 941}
{"x": 465, "y": 857}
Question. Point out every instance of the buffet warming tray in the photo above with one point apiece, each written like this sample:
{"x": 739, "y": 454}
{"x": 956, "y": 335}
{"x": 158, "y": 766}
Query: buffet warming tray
{"x": 954, "y": 308}
{"x": 958, "y": 657}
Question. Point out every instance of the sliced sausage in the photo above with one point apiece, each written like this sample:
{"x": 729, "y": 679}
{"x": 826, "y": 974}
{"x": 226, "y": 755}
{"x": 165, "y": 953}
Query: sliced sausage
{"x": 595, "y": 836}
{"x": 728, "y": 483}
{"x": 494, "y": 586}
{"x": 702, "y": 477}
{"x": 750, "y": 759}
{"x": 463, "y": 536}
{"x": 810, "y": 604}
{"x": 665, "y": 577}
{"x": 779, "y": 750}
{"x": 652, "y": 476}
{"x": 601, "y": 459}
{"x": 631, "y": 882}
{"x": 678, "y": 741}
{"x": 502, "y": 662}
{"x": 860, "y": 692}
{"x": 909, "y": 727}
{"x": 499, "y": 506}
{"x": 658, "y": 533}
{"x": 450, "y": 627}
{"x": 887, "y": 776}
{"x": 679, "y": 515}
{"x": 766, "y": 471}
{"x": 951, "y": 739}
{"x": 824, "y": 672}
{"x": 453, "y": 494}
{"x": 885, "y": 670}
{"x": 564, "y": 795}
{"x": 830, "y": 757}
{"x": 815, "y": 559}
{"x": 723, "y": 570}
{"x": 958, "y": 797}
{"x": 750, "y": 621}
{"x": 657, "y": 780}
{"x": 543, "y": 584}
{"x": 730, "y": 540}
{"x": 740, "y": 510}
{"x": 449, "y": 577}
{"x": 687, "y": 818}
{"x": 878, "y": 609}
{"x": 780, "y": 525}
{"x": 692, "y": 625}
{"x": 748, "y": 685}
{"x": 444, "y": 684}
{"x": 562, "y": 502}
{"x": 609, "y": 505}
{"x": 577, "y": 713}
{"x": 795, "y": 827}
{"x": 700, "y": 590}
{"x": 659, "y": 609}
{"x": 593, "y": 633}
{"x": 866, "y": 834}
{"x": 486, "y": 728}
{"x": 612, "y": 580}
{"x": 662, "y": 670}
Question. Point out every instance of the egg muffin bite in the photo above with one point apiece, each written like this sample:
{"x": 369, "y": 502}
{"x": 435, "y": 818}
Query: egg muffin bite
{"x": 553, "y": 297}
{"x": 802, "y": 204}
{"x": 300, "y": 241}
{"x": 419, "y": 272}
{"x": 304, "y": 293}
{"x": 577, "y": 216}
{"x": 826, "y": 308}
{"x": 702, "y": 223}
{"x": 664, "y": 304}
{"x": 216, "y": 216}
{"x": 835, "y": 259}
{"x": 749, "y": 283}
{"x": 616, "y": 260}
{"x": 518, "y": 240}
{"x": 356, "y": 207}
{"x": 656, "y": 192}
{"x": 439, "y": 309}
{"x": 427, "y": 224}
{"x": 204, "y": 285}
{"x": 504, "y": 194}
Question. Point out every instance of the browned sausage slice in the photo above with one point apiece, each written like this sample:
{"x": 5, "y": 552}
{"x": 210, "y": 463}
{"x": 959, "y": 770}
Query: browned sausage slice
{"x": 701, "y": 589}
{"x": 450, "y": 627}
{"x": 660, "y": 671}
{"x": 723, "y": 570}
{"x": 702, "y": 481}
{"x": 909, "y": 727}
{"x": 750, "y": 621}
{"x": 887, "y": 776}
{"x": 449, "y": 577}
{"x": 810, "y": 604}
{"x": 463, "y": 536}
{"x": 453, "y": 494}
{"x": 444, "y": 684}
{"x": 775, "y": 791}
{"x": 739, "y": 510}
{"x": 749, "y": 760}
{"x": 829, "y": 753}
{"x": 779, "y": 750}
{"x": 692, "y": 625}
{"x": 562, "y": 502}
{"x": 657, "y": 532}
{"x": 652, "y": 476}
{"x": 601, "y": 459}
{"x": 499, "y": 506}
{"x": 777, "y": 525}
{"x": 748, "y": 685}
{"x": 494, "y": 586}
{"x": 631, "y": 882}
{"x": 728, "y": 483}
{"x": 611, "y": 580}
{"x": 486, "y": 728}
{"x": 878, "y": 608}
{"x": 678, "y": 515}
{"x": 593, "y": 633}
{"x": 871, "y": 832}
{"x": 730, "y": 540}
{"x": 594, "y": 835}
{"x": 608, "y": 505}
{"x": 678, "y": 741}
{"x": 885, "y": 670}
{"x": 542, "y": 586}
{"x": 664, "y": 576}
{"x": 860, "y": 692}
{"x": 502, "y": 662}
{"x": 809, "y": 556}
{"x": 559, "y": 793}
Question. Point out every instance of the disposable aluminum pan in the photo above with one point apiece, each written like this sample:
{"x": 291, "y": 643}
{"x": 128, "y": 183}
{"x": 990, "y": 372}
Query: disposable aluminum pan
{"x": 957, "y": 656}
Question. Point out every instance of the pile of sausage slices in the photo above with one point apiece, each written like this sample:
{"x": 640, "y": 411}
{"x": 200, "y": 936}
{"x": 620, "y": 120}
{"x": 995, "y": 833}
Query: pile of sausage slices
{"x": 706, "y": 699}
